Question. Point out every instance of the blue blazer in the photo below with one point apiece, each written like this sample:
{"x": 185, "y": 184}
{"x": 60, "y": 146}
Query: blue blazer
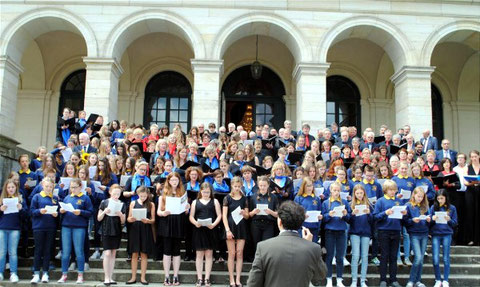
{"x": 90, "y": 149}
{"x": 432, "y": 143}
{"x": 453, "y": 156}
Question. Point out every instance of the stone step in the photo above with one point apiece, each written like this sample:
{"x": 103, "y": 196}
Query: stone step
{"x": 188, "y": 278}
{"x": 121, "y": 263}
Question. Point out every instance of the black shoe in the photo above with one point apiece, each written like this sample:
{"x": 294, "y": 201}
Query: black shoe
{"x": 106, "y": 283}
{"x": 187, "y": 258}
{"x": 144, "y": 282}
{"x": 113, "y": 283}
{"x": 131, "y": 282}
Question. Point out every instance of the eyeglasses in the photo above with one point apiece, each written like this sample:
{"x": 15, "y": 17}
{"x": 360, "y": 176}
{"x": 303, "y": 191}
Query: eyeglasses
{"x": 73, "y": 187}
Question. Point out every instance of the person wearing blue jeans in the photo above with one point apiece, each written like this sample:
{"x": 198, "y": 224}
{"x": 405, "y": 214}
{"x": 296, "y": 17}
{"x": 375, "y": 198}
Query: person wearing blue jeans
{"x": 335, "y": 231}
{"x": 406, "y": 249}
{"x": 360, "y": 231}
{"x": 442, "y": 211}
{"x": 417, "y": 222}
{"x": 10, "y": 225}
{"x": 74, "y": 227}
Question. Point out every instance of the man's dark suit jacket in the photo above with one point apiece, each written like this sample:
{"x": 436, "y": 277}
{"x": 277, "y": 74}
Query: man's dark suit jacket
{"x": 90, "y": 149}
{"x": 287, "y": 260}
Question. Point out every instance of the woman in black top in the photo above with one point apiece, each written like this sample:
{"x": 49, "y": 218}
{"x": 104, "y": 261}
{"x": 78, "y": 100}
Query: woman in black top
{"x": 472, "y": 200}
{"x": 236, "y": 233}
{"x": 204, "y": 236}
{"x": 111, "y": 224}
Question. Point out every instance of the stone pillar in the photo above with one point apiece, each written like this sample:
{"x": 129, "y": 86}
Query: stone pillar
{"x": 290, "y": 108}
{"x": 413, "y": 98}
{"x": 101, "y": 87}
{"x": 9, "y": 77}
{"x": 206, "y": 91}
{"x": 311, "y": 108}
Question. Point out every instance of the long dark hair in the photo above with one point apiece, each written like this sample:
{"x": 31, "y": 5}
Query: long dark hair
{"x": 106, "y": 172}
{"x": 142, "y": 189}
{"x": 436, "y": 204}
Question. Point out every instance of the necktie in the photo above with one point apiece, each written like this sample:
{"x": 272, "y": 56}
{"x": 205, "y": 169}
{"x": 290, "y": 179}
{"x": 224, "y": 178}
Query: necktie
{"x": 85, "y": 149}
{"x": 446, "y": 154}
{"x": 425, "y": 145}
{"x": 307, "y": 141}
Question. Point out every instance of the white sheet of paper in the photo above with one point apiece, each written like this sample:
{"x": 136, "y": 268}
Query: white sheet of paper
{"x": 236, "y": 216}
{"x": 139, "y": 213}
{"x": 397, "y": 212}
{"x": 338, "y": 211}
{"x": 425, "y": 188}
{"x": 67, "y": 206}
{"x": 124, "y": 179}
{"x": 97, "y": 185}
{"x": 153, "y": 177}
{"x": 361, "y": 209}
{"x": 31, "y": 183}
{"x": 344, "y": 195}
{"x": 114, "y": 206}
{"x": 441, "y": 217}
{"x": 422, "y": 217}
{"x": 55, "y": 192}
{"x": 176, "y": 205}
{"x": 313, "y": 216}
{"x": 205, "y": 222}
{"x": 262, "y": 208}
{"x": 406, "y": 194}
{"x": 67, "y": 153}
{"x": 319, "y": 191}
{"x": 327, "y": 183}
{"x": 372, "y": 199}
{"x": 11, "y": 204}
{"x": 84, "y": 186}
{"x": 66, "y": 182}
{"x": 92, "y": 171}
{"x": 297, "y": 181}
{"x": 51, "y": 209}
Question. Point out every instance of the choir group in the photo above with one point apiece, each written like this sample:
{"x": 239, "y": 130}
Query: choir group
{"x": 218, "y": 191}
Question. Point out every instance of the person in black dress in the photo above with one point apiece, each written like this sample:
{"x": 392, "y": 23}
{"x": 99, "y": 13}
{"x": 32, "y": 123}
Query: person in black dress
{"x": 472, "y": 200}
{"x": 171, "y": 227}
{"x": 140, "y": 236}
{"x": 236, "y": 233}
{"x": 204, "y": 236}
{"x": 111, "y": 225}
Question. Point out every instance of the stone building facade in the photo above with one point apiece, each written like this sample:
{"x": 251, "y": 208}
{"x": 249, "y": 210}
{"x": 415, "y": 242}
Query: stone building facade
{"x": 365, "y": 63}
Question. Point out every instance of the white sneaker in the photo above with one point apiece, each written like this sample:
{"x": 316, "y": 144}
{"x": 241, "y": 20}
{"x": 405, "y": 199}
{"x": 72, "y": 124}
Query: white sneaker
{"x": 445, "y": 284}
{"x": 410, "y": 284}
{"x": 72, "y": 267}
{"x": 59, "y": 255}
{"x": 103, "y": 255}
{"x": 354, "y": 283}
{"x": 438, "y": 283}
{"x": 80, "y": 279}
{"x": 363, "y": 284}
{"x": 340, "y": 282}
{"x": 86, "y": 267}
{"x": 408, "y": 262}
{"x": 14, "y": 278}
{"x": 35, "y": 279}
{"x": 1, "y": 277}
{"x": 95, "y": 255}
{"x": 62, "y": 279}
{"x": 345, "y": 262}
{"x": 45, "y": 278}
{"x": 7, "y": 266}
{"x": 334, "y": 261}
{"x": 329, "y": 282}
{"x": 420, "y": 284}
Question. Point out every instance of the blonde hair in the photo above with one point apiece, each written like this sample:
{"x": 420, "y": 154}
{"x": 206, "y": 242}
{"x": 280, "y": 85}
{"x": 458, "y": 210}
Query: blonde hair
{"x": 305, "y": 181}
{"x": 389, "y": 185}
{"x": 5, "y": 192}
{"x": 364, "y": 201}
{"x": 424, "y": 203}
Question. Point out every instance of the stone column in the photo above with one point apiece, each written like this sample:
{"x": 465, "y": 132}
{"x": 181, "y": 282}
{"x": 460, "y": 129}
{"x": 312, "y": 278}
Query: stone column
{"x": 206, "y": 91}
{"x": 101, "y": 88}
{"x": 9, "y": 77}
{"x": 413, "y": 98}
{"x": 311, "y": 108}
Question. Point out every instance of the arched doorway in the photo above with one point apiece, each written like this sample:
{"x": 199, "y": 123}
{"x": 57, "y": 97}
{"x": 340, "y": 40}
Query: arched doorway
{"x": 168, "y": 101}
{"x": 437, "y": 113}
{"x": 343, "y": 102}
{"x": 250, "y": 102}
{"x": 72, "y": 92}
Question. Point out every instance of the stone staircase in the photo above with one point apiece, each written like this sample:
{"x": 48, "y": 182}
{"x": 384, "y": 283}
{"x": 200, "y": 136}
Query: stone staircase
{"x": 465, "y": 271}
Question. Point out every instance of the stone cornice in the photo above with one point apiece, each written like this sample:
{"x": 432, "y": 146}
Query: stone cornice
{"x": 313, "y": 69}
{"x": 103, "y": 64}
{"x": 9, "y": 64}
{"x": 205, "y": 65}
{"x": 412, "y": 72}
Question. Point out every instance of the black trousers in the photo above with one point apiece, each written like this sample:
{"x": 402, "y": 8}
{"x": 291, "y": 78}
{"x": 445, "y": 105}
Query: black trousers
{"x": 44, "y": 240}
{"x": 389, "y": 241}
{"x": 261, "y": 230}
{"x": 471, "y": 219}
{"x": 457, "y": 198}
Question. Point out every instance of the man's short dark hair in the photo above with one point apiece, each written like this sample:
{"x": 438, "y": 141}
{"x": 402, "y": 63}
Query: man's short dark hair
{"x": 292, "y": 215}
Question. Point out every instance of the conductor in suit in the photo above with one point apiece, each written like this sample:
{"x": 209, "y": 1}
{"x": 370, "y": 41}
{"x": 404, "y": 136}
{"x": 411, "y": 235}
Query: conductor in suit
{"x": 288, "y": 259}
